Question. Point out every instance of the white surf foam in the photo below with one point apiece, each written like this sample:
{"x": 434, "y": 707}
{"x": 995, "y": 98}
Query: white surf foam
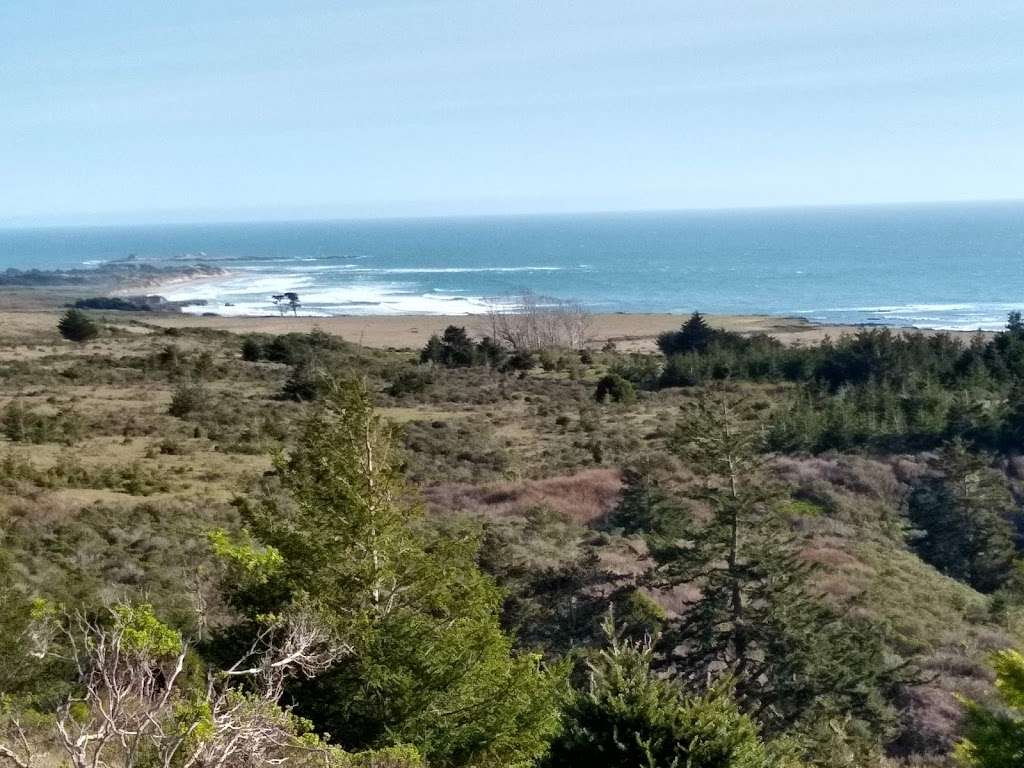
{"x": 238, "y": 287}
{"x": 357, "y": 269}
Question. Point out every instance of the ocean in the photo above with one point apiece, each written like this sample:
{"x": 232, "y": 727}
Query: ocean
{"x": 956, "y": 266}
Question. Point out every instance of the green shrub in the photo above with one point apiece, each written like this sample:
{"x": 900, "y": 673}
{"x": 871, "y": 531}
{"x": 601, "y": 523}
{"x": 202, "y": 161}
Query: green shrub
{"x": 252, "y": 349}
{"x": 521, "y": 361}
{"x": 187, "y": 399}
{"x": 307, "y": 381}
{"x": 615, "y": 388}
{"x": 410, "y": 381}
{"x": 20, "y": 424}
{"x": 76, "y": 326}
{"x": 626, "y": 716}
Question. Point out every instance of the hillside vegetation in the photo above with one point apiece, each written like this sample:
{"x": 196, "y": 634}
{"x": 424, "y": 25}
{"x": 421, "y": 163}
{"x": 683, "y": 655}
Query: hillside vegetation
{"x": 226, "y": 550}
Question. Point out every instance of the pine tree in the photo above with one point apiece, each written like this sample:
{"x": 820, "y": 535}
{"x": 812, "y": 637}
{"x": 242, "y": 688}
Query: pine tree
{"x": 695, "y": 335}
{"x": 645, "y": 507}
{"x": 756, "y": 619}
{"x": 430, "y": 665}
{"x": 628, "y": 717}
{"x": 962, "y": 515}
{"x": 433, "y": 352}
{"x": 459, "y": 350}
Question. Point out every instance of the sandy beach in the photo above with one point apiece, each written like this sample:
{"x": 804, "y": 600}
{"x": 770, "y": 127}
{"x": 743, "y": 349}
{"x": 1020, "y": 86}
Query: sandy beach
{"x": 629, "y": 332}
{"x": 30, "y": 311}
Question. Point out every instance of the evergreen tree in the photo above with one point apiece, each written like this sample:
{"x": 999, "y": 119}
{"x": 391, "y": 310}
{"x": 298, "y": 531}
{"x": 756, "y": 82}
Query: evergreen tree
{"x": 756, "y": 620}
{"x": 430, "y": 665}
{"x": 75, "y": 325}
{"x": 453, "y": 349}
{"x": 627, "y": 717}
{"x": 433, "y": 352}
{"x": 459, "y": 350}
{"x": 491, "y": 352}
{"x": 646, "y": 508}
{"x": 962, "y": 515}
{"x": 252, "y": 349}
{"x": 695, "y": 335}
{"x": 1012, "y": 426}
{"x": 15, "y": 612}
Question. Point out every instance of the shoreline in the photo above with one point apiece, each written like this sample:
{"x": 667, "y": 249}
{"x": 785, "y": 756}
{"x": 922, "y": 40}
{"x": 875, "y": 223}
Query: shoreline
{"x": 35, "y": 309}
{"x": 630, "y": 332}
{"x": 153, "y": 286}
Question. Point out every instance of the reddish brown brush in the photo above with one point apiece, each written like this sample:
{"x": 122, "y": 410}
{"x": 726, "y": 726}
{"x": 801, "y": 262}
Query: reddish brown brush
{"x": 583, "y": 497}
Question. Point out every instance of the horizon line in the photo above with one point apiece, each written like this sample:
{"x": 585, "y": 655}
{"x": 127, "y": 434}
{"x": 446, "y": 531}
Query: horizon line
{"x": 70, "y": 222}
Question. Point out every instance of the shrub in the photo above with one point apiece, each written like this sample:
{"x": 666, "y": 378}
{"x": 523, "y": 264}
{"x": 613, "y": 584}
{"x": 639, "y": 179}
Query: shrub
{"x": 306, "y": 382}
{"x": 252, "y": 349}
{"x": 76, "y": 326}
{"x": 681, "y": 371}
{"x": 114, "y": 303}
{"x": 616, "y": 388}
{"x": 292, "y": 348}
{"x": 549, "y": 360}
{"x": 187, "y": 399}
{"x": 521, "y": 361}
{"x": 19, "y": 424}
{"x": 410, "y": 381}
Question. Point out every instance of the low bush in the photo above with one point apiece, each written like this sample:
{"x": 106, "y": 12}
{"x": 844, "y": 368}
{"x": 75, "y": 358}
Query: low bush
{"x": 615, "y": 388}
{"x": 76, "y": 326}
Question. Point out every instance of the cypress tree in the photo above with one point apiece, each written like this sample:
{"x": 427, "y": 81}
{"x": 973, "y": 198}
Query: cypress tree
{"x": 76, "y": 326}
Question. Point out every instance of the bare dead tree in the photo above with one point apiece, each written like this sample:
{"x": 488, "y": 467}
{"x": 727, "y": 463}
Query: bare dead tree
{"x": 299, "y": 645}
{"x": 130, "y": 703}
{"x": 16, "y": 745}
{"x": 530, "y": 323}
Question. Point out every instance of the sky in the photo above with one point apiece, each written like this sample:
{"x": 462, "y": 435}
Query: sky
{"x": 136, "y": 110}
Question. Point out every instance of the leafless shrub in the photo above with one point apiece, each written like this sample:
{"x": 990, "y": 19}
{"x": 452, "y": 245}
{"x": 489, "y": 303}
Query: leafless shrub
{"x": 530, "y": 323}
{"x": 132, "y": 706}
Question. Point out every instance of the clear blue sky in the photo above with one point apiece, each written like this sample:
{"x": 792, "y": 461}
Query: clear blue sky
{"x": 185, "y": 109}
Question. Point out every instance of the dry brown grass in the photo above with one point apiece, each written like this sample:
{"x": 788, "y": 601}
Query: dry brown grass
{"x": 583, "y": 498}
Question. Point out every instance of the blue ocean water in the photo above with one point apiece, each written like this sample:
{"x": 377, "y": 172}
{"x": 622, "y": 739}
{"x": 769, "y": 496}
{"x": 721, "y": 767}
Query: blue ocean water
{"x": 946, "y": 266}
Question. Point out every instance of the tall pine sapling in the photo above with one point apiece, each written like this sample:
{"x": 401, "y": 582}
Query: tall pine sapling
{"x": 755, "y": 617}
{"x": 430, "y": 664}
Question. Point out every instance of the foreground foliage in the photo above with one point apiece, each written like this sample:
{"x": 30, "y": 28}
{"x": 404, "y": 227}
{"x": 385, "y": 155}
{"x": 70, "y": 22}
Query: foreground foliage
{"x": 994, "y": 737}
{"x": 430, "y": 665}
{"x": 627, "y": 716}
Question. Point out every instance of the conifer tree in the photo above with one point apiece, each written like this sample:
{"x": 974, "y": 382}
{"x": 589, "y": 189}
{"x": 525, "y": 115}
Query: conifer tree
{"x": 645, "y": 507}
{"x": 430, "y": 665}
{"x": 962, "y": 515}
{"x": 695, "y": 335}
{"x": 628, "y": 717}
{"x": 75, "y": 325}
{"x": 756, "y": 619}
